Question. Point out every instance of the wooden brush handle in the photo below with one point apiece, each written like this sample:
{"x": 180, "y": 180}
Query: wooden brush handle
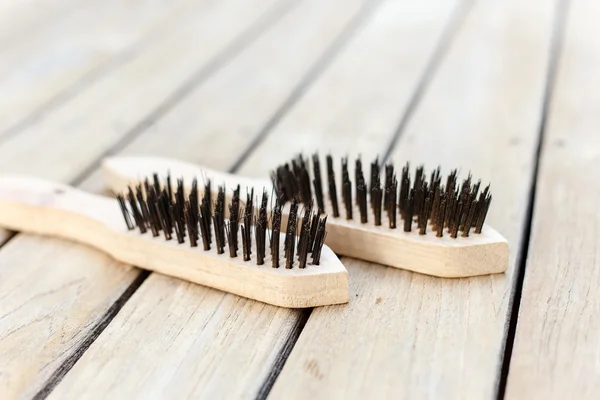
{"x": 479, "y": 254}
{"x": 121, "y": 172}
{"x": 45, "y": 208}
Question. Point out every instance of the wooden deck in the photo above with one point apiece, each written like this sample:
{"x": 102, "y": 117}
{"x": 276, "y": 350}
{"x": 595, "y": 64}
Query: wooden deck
{"x": 508, "y": 90}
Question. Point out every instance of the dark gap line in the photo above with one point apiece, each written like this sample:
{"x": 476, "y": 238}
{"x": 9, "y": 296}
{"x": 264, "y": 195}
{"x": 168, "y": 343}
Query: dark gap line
{"x": 84, "y": 82}
{"x": 112, "y": 312}
{"x": 308, "y": 79}
{"x": 283, "y": 355}
{"x": 296, "y": 94}
{"x": 560, "y": 17}
{"x": 247, "y": 37}
{"x": 235, "y": 47}
{"x": 10, "y": 236}
{"x": 448, "y": 34}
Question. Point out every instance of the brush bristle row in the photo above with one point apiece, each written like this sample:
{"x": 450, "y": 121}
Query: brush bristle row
{"x": 153, "y": 207}
{"x": 422, "y": 202}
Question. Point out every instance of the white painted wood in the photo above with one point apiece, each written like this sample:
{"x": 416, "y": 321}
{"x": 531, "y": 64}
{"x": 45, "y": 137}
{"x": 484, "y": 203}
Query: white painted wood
{"x": 46, "y": 208}
{"x": 63, "y": 45}
{"x": 406, "y": 335}
{"x": 205, "y": 341}
{"x": 556, "y": 350}
{"x": 479, "y": 254}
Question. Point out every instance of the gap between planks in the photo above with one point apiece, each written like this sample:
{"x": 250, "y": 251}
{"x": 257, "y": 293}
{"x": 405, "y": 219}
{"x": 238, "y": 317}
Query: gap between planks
{"x": 190, "y": 84}
{"x": 464, "y": 319}
{"x": 457, "y": 18}
{"x": 560, "y": 16}
{"x": 556, "y": 348}
{"x": 448, "y": 36}
{"x": 82, "y": 76}
{"x": 98, "y": 328}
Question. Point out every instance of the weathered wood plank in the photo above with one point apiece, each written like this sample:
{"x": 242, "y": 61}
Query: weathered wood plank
{"x": 69, "y": 47}
{"x": 53, "y": 332}
{"x": 52, "y": 295}
{"x": 355, "y": 105}
{"x": 407, "y": 335}
{"x": 232, "y": 107}
{"x": 201, "y": 334}
{"x": 104, "y": 114}
{"x": 556, "y": 349}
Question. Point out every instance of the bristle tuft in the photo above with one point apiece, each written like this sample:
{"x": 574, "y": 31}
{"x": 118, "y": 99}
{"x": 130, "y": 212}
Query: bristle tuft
{"x": 152, "y": 206}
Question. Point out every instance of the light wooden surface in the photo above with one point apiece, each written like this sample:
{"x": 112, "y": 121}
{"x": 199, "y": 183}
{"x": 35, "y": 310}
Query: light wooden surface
{"x": 427, "y": 337}
{"x": 43, "y": 66}
{"x": 296, "y": 58}
{"x": 49, "y": 307}
{"x": 104, "y": 114}
{"x": 353, "y": 108}
{"x": 245, "y": 85}
{"x": 54, "y": 349}
{"x": 556, "y": 351}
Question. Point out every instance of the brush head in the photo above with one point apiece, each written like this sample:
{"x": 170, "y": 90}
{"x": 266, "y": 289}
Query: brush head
{"x": 185, "y": 217}
{"x": 428, "y": 206}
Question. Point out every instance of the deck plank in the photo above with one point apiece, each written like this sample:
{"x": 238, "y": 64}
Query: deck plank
{"x": 357, "y": 103}
{"x": 51, "y": 332}
{"x": 48, "y": 308}
{"x": 407, "y": 335}
{"x": 66, "y": 48}
{"x": 222, "y": 338}
{"x": 219, "y": 119}
{"x": 19, "y": 19}
{"x": 104, "y": 114}
{"x": 556, "y": 351}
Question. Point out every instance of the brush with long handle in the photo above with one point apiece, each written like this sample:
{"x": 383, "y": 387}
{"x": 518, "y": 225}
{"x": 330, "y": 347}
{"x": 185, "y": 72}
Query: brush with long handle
{"x": 175, "y": 234}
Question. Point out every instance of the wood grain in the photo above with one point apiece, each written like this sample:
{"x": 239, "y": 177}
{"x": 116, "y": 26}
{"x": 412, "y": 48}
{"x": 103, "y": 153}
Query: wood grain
{"x": 263, "y": 78}
{"x": 556, "y": 352}
{"x": 203, "y": 362}
{"x": 57, "y": 329}
{"x": 353, "y": 107}
{"x": 91, "y": 123}
{"x": 407, "y": 335}
{"x": 67, "y": 46}
{"x": 52, "y": 295}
